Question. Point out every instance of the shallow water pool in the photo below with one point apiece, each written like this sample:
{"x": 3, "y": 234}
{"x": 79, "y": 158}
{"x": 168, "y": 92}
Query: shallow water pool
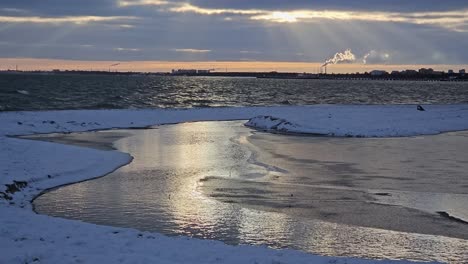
{"x": 372, "y": 198}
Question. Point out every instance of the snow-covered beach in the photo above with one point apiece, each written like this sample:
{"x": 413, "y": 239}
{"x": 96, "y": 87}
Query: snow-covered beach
{"x": 30, "y": 167}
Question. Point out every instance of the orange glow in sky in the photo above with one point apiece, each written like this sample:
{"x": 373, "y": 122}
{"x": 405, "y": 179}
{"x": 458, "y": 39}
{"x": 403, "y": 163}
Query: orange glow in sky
{"x": 28, "y": 64}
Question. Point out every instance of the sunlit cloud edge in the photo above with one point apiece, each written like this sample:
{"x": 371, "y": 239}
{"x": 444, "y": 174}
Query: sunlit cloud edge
{"x": 456, "y": 20}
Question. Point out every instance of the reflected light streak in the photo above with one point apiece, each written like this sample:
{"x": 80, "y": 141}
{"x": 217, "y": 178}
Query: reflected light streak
{"x": 157, "y": 194}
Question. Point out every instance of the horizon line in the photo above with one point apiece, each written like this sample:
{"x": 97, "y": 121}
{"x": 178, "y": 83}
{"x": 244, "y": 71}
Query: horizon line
{"x": 45, "y": 64}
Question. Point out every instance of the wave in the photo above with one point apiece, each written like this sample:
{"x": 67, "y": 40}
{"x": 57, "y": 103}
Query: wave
{"x": 24, "y": 92}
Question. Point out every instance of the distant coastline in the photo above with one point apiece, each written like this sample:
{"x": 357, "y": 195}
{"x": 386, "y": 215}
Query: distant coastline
{"x": 407, "y": 75}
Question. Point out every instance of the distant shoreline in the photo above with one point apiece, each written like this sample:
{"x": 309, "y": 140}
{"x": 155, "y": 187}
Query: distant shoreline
{"x": 400, "y": 76}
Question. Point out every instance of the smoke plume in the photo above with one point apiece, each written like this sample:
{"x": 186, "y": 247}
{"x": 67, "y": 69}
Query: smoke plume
{"x": 346, "y": 56}
{"x": 364, "y": 59}
{"x": 376, "y": 57}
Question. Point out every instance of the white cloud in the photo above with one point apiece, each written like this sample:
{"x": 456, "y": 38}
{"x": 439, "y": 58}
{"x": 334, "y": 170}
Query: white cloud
{"x": 249, "y": 52}
{"x": 124, "y": 3}
{"x": 188, "y": 8}
{"x": 126, "y": 26}
{"x": 127, "y": 49}
{"x": 376, "y": 57}
{"x": 13, "y": 10}
{"x": 453, "y": 20}
{"x": 192, "y": 50}
{"x": 61, "y": 20}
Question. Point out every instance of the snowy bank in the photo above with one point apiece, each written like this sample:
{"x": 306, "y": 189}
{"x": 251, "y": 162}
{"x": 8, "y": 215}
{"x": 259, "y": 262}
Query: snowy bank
{"x": 27, "y": 168}
{"x": 366, "y": 121}
{"x": 338, "y": 120}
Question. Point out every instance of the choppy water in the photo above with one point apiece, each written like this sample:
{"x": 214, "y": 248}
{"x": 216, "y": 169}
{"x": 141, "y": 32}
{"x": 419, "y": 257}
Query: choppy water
{"x": 43, "y": 92}
{"x": 371, "y": 198}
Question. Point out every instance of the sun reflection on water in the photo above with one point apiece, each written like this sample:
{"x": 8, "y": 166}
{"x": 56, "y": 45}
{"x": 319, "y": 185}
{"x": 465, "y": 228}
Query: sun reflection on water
{"x": 161, "y": 191}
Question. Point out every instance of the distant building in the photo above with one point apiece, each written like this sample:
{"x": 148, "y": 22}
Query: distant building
{"x": 462, "y": 72}
{"x": 450, "y": 72}
{"x": 189, "y": 72}
{"x": 378, "y": 73}
{"x": 395, "y": 73}
{"x": 184, "y": 71}
{"x": 426, "y": 71}
{"x": 409, "y": 72}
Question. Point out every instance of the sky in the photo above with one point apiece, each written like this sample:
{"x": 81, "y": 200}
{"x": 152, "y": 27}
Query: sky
{"x": 238, "y": 34}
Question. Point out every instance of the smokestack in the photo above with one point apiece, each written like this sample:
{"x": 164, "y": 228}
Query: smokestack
{"x": 323, "y": 69}
{"x": 113, "y": 65}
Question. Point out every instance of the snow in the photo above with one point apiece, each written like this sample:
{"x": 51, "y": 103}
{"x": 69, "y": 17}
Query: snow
{"x": 367, "y": 121}
{"x": 338, "y": 120}
{"x": 26, "y": 237}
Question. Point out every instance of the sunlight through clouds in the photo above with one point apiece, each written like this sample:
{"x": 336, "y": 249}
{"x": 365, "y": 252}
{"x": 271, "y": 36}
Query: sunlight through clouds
{"x": 453, "y": 20}
{"x": 413, "y": 32}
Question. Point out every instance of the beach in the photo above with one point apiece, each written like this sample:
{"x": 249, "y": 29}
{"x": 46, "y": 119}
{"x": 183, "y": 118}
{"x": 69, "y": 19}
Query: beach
{"x": 24, "y": 160}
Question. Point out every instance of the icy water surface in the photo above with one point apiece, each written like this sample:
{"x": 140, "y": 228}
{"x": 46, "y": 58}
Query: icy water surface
{"x": 372, "y": 198}
{"x": 45, "y": 92}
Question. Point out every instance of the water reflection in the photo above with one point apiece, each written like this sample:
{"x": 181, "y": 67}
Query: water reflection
{"x": 177, "y": 168}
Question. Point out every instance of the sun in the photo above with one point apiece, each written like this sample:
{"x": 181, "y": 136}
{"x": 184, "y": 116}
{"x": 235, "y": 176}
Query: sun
{"x": 283, "y": 17}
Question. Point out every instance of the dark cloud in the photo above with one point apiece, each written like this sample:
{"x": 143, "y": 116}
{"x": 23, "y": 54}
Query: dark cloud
{"x": 63, "y": 8}
{"x": 106, "y": 7}
{"x": 156, "y": 34}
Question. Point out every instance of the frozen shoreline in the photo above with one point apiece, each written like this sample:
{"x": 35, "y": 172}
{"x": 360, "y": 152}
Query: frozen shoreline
{"x": 28, "y": 237}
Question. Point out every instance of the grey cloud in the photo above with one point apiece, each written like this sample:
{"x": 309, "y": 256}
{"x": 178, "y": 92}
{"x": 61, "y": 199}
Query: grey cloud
{"x": 156, "y": 34}
{"x": 381, "y": 5}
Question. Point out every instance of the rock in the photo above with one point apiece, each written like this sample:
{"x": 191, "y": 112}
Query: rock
{"x": 5, "y": 196}
{"x": 15, "y": 186}
{"x": 382, "y": 194}
{"x": 420, "y": 108}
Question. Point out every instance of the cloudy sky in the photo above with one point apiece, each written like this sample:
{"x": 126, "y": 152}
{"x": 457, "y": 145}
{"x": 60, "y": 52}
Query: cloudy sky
{"x": 388, "y": 32}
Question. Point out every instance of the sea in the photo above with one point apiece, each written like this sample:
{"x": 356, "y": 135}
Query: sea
{"x": 30, "y": 92}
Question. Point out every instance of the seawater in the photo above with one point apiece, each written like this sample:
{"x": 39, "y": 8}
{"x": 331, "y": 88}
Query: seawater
{"x": 53, "y": 92}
